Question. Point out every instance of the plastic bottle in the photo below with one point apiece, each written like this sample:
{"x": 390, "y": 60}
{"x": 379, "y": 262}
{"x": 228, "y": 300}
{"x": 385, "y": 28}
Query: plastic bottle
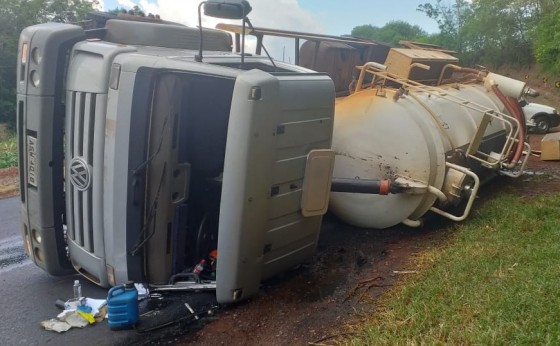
{"x": 122, "y": 306}
{"x": 199, "y": 267}
{"x": 77, "y": 290}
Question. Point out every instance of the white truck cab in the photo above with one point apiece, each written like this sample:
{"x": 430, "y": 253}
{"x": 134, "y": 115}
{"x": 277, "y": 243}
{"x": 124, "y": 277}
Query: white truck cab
{"x": 138, "y": 160}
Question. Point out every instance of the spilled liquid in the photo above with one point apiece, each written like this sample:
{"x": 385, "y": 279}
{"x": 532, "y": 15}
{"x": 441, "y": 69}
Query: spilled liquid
{"x": 12, "y": 253}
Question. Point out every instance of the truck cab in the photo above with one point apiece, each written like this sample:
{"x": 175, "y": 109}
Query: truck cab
{"x": 138, "y": 160}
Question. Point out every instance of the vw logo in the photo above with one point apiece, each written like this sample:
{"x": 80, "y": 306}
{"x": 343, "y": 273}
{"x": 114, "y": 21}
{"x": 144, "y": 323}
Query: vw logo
{"x": 80, "y": 174}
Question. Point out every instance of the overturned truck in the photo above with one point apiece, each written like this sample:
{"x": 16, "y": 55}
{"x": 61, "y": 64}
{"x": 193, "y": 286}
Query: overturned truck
{"x": 147, "y": 148}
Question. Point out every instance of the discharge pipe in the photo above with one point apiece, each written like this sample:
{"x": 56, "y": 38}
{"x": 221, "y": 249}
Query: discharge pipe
{"x": 369, "y": 186}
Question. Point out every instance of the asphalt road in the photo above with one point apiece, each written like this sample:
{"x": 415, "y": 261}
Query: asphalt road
{"x": 28, "y": 294}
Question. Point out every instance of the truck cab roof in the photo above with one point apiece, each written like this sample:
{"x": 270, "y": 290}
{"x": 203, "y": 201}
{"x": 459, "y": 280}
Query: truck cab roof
{"x": 178, "y": 43}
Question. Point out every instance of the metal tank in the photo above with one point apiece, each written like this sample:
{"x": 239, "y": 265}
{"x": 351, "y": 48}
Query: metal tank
{"x": 431, "y": 145}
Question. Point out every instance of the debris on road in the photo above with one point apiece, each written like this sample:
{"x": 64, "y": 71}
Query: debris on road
{"x": 77, "y": 314}
{"x": 56, "y": 325}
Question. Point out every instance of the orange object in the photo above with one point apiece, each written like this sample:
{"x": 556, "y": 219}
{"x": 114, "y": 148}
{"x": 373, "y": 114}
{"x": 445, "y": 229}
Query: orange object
{"x": 214, "y": 253}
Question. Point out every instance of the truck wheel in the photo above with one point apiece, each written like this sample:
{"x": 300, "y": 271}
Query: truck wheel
{"x": 542, "y": 124}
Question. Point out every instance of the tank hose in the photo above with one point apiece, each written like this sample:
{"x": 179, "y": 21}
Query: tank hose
{"x": 521, "y": 133}
{"x": 516, "y": 107}
{"x": 522, "y": 128}
{"x": 369, "y": 186}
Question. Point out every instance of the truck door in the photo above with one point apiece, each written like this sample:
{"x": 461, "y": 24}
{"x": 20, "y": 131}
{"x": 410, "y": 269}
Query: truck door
{"x": 275, "y": 121}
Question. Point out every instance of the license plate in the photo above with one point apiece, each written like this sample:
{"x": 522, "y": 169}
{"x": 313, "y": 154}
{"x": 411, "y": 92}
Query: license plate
{"x": 32, "y": 161}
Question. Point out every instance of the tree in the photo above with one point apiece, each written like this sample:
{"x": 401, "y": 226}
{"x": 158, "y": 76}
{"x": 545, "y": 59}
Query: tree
{"x": 451, "y": 19}
{"x": 16, "y": 15}
{"x": 391, "y": 32}
{"x": 547, "y": 41}
{"x": 490, "y": 32}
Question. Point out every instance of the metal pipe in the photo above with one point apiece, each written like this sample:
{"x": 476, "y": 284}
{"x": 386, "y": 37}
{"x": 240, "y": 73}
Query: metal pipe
{"x": 243, "y": 39}
{"x": 198, "y": 58}
{"x": 296, "y": 54}
{"x": 370, "y": 186}
{"x": 363, "y": 71}
{"x": 440, "y": 195}
{"x": 412, "y": 223}
{"x": 471, "y": 199}
{"x": 444, "y": 69}
{"x": 417, "y": 65}
{"x": 457, "y": 68}
{"x": 258, "y": 50}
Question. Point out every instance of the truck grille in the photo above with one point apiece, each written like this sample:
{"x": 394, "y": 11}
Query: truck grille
{"x": 79, "y": 186}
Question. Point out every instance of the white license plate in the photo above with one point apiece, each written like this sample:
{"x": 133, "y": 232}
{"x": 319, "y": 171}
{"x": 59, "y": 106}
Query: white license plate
{"x": 32, "y": 160}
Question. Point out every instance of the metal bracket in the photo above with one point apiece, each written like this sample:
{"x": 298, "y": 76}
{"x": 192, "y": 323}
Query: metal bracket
{"x": 471, "y": 197}
{"x": 519, "y": 172}
{"x": 185, "y": 282}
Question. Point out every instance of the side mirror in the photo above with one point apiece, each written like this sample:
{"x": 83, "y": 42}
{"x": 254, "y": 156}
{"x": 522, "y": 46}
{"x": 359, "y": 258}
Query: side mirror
{"x": 522, "y": 103}
{"x": 227, "y": 9}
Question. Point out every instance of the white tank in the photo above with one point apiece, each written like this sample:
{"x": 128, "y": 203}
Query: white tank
{"x": 419, "y": 137}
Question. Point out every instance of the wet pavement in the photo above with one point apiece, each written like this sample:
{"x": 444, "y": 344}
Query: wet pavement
{"x": 27, "y": 295}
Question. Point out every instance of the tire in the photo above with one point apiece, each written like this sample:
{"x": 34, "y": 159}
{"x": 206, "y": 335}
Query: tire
{"x": 542, "y": 124}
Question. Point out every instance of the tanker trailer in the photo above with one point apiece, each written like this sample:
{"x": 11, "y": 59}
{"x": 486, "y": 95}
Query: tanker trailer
{"x": 422, "y": 148}
{"x": 405, "y": 144}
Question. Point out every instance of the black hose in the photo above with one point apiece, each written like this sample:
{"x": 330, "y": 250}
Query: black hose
{"x": 369, "y": 186}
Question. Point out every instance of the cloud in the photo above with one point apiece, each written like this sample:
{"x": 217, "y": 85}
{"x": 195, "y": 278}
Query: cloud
{"x": 280, "y": 14}
{"x": 126, "y": 3}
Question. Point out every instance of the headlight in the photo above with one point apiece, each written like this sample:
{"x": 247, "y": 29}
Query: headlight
{"x": 34, "y": 77}
{"x": 36, "y": 56}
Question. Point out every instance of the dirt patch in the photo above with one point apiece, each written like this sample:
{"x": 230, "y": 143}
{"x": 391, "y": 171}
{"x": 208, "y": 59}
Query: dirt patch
{"x": 352, "y": 268}
{"x": 9, "y": 182}
{"x": 541, "y": 177}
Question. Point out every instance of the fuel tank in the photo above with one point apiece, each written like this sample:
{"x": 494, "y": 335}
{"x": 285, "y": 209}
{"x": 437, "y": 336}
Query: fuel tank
{"x": 434, "y": 144}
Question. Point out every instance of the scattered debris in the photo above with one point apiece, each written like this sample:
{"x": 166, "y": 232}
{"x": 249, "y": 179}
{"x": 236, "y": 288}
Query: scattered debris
{"x": 405, "y": 271}
{"x": 366, "y": 284}
{"x": 317, "y": 342}
{"x": 55, "y": 325}
{"x": 77, "y": 314}
{"x": 166, "y": 309}
{"x": 73, "y": 318}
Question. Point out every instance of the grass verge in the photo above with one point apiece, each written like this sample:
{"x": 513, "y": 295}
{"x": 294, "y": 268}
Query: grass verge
{"x": 8, "y": 152}
{"x": 496, "y": 282}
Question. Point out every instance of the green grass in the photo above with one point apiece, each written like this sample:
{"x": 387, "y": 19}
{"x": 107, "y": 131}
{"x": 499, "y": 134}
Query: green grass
{"x": 496, "y": 282}
{"x": 8, "y": 152}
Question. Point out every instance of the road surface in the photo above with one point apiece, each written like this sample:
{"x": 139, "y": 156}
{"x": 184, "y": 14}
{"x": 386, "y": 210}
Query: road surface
{"x": 27, "y": 295}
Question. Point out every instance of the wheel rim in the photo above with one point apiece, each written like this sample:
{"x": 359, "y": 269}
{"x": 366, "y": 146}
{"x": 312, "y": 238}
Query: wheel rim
{"x": 542, "y": 125}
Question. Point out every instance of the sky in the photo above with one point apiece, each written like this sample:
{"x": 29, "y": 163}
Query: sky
{"x": 333, "y": 17}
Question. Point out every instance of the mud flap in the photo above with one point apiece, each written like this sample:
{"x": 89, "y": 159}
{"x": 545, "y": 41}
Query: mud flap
{"x": 275, "y": 121}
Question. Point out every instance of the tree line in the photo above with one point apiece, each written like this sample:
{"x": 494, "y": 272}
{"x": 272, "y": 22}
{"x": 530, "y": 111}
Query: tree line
{"x": 485, "y": 32}
{"x": 15, "y": 15}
